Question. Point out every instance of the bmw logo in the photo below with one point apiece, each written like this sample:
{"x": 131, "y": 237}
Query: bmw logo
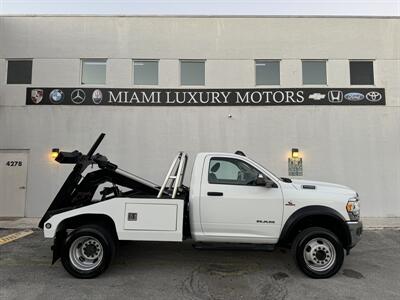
{"x": 56, "y": 96}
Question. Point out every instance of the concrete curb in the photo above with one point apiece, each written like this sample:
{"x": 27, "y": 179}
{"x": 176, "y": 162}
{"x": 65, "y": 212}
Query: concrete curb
{"x": 19, "y": 223}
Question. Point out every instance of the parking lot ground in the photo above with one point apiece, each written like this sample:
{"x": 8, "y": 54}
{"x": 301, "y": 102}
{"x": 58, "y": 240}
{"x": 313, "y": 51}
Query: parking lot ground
{"x": 149, "y": 270}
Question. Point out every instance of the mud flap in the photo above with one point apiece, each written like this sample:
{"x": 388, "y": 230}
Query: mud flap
{"x": 58, "y": 244}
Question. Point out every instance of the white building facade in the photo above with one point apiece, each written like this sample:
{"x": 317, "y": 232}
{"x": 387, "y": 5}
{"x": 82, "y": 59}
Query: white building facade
{"x": 299, "y": 66}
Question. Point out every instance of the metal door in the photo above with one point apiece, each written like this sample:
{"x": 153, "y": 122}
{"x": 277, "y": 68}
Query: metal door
{"x": 13, "y": 173}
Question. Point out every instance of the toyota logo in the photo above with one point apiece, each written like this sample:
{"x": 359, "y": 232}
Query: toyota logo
{"x": 78, "y": 96}
{"x": 373, "y": 96}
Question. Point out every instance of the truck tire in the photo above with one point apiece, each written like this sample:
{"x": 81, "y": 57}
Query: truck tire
{"x": 318, "y": 252}
{"x": 88, "y": 251}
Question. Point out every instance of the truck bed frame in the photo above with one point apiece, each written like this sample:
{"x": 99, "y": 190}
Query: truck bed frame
{"x": 78, "y": 191}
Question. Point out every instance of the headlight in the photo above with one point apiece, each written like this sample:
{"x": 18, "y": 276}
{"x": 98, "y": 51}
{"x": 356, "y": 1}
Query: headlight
{"x": 353, "y": 208}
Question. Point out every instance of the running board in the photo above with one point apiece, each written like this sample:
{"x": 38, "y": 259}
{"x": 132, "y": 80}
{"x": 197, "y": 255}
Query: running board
{"x": 233, "y": 246}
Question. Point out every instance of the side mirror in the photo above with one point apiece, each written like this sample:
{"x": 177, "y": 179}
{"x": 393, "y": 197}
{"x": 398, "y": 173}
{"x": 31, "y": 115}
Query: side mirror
{"x": 270, "y": 184}
{"x": 260, "y": 181}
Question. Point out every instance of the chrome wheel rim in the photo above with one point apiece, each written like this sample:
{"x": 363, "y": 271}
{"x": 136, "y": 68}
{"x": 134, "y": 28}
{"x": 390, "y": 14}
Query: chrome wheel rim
{"x": 319, "y": 254}
{"x": 86, "y": 253}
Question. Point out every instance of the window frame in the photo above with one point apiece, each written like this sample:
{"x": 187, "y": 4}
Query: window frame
{"x": 145, "y": 60}
{"x": 180, "y": 72}
{"x": 373, "y": 72}
{"x": 81, "y": 71}
{"x": 7, "y": 70}
{"x": 326, "y": 72}
{"x": 232, "y": 158}
{"x": 267, "y": 60}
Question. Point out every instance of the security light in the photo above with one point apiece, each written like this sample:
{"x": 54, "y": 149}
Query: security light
{"x": 295, "y": 153}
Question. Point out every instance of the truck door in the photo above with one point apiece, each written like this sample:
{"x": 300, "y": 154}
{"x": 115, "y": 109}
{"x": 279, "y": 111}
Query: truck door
{"x": 233, "y": 208}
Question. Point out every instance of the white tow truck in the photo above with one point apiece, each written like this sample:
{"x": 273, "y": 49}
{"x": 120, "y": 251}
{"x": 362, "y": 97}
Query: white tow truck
{"x": 232, "y": 200}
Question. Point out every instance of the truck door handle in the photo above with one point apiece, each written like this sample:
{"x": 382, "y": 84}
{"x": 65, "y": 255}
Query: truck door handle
{"x": 215, "y": 194}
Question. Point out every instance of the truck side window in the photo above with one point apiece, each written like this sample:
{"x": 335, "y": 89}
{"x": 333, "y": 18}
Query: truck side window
{"x": 225, "y": 170}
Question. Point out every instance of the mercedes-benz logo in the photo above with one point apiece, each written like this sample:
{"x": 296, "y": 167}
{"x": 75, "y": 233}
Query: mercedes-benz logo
{"x": 78, "y": 96}
{"x": 373, "y": 96}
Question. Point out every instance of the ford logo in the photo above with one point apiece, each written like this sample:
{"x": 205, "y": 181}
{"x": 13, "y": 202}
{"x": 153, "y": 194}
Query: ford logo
{"x": 354, "y": 96}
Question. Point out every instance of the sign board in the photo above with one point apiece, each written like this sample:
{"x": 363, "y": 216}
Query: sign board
{"x": 204, "y": 97}
{"x": 295, "y": 166}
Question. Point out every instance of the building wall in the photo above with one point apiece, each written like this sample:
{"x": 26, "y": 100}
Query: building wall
{"x": 353, "y": 145}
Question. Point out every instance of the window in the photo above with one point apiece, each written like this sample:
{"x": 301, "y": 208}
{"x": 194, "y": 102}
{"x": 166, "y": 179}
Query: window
{"x": 314, "y": 72}
{"x": 145, "y": 72}
{"x": 192, "y": 72}
{"x": 226, "y": 170}
{"x": 267, "y": 72}
{"x": 19, "y": 72}
{"x": 94, "y": 71}
{"x": 362, "y": 72}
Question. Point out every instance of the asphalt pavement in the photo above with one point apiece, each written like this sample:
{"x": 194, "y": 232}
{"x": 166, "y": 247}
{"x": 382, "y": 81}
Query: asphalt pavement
{"x": 150, "y": 270}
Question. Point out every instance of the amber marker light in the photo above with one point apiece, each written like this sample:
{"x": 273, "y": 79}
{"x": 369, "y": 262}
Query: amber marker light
{"x": 54, "y": 153}
{"x": 349, "y": 206}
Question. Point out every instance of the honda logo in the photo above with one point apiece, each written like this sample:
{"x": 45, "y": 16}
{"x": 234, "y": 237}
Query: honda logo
{"x": 335, "y": 96}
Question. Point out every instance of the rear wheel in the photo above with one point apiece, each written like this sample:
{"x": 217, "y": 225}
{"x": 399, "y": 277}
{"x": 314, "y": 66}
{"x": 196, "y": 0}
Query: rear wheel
{"x": 318, "y": 252}
{"x": 88, "y": 251}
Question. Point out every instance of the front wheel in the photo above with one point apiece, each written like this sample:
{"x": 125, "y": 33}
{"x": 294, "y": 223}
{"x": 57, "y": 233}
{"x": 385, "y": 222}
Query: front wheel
{"x": 88, "y": 251}
{"x": 318, "y": 252}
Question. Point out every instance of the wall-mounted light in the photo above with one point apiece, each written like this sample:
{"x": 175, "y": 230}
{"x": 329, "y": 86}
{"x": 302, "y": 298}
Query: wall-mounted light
{"x": 54, "y": 153}
{"x": 295, "y": 153}
{"x": 295, "y": 163}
